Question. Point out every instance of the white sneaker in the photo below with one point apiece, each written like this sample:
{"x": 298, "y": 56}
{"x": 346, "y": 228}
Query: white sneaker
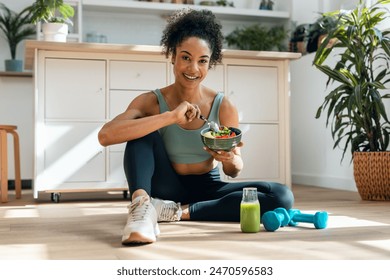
{"x": 167, "y": 210}
{"x": 141, "y": 226}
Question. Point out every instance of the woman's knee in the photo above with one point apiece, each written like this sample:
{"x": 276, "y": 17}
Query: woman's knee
{"x": 284, "y": 195}
{"x": 279, "y": 195}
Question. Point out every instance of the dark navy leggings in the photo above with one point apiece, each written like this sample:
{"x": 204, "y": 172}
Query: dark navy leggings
{"x": 148, "y": 167}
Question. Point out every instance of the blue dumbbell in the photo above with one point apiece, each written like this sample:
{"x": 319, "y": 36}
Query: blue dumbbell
{"x": 272, "y": 220}
{"x": 319, "y": 219}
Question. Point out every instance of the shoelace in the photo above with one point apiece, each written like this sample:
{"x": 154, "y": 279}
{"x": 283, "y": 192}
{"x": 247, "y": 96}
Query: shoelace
{"x": 137, "y": 212}
{"x": 170, "y": 212}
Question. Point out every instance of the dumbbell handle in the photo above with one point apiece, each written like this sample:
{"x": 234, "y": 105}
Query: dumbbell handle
{"x": 319, "y": 219}
{"x": 280, "y": 216}
{"x": 304, "y": 218}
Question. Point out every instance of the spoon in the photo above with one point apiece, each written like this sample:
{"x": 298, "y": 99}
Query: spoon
{"x": 213, "y": 125}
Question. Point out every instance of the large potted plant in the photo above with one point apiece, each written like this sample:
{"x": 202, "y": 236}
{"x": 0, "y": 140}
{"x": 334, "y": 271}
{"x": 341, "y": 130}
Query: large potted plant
{"x": 15, "y": 27}
{"x": 55, "y": 16}
{"x": 355, "y": 107}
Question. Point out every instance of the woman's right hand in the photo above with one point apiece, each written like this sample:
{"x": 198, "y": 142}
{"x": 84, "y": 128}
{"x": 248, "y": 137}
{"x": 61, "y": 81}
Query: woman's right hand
{"x": 186, "y": 112}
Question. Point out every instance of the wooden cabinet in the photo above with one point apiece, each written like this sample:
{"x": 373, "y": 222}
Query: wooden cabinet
{"x": 79, "y": 87}
{"x": 258, "y": 90}
{"x": 71, "y": 109}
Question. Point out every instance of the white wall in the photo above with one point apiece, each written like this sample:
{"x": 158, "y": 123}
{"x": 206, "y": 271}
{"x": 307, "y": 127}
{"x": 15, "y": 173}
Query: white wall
{"x": 16, "y": 108}
{"x": 16, "y": 103}
{"x": 314, "y": 162}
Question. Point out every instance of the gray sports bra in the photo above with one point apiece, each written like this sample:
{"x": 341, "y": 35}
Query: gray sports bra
{"x": 183, "y": 145}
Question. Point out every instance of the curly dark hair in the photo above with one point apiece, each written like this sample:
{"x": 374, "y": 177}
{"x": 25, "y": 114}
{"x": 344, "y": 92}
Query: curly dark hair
{"x": 187, "y": 23}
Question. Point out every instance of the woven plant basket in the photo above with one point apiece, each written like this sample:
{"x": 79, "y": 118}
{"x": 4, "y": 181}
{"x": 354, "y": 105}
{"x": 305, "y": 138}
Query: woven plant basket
{"x": 371, "y": 171}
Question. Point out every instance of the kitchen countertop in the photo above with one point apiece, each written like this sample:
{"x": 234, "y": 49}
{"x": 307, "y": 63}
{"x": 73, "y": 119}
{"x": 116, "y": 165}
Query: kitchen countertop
{"x": 32, "y": 45}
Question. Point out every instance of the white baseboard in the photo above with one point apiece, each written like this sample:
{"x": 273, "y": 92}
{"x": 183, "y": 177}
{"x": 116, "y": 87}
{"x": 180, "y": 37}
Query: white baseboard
{"x": 326, "y": 182}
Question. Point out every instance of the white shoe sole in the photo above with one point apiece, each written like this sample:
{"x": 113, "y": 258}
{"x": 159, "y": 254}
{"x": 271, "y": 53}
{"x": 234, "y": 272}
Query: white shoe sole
{"x": 136, "y": 238}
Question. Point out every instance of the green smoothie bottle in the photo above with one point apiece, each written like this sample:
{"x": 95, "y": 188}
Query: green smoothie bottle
{"x": 250, "y": 211}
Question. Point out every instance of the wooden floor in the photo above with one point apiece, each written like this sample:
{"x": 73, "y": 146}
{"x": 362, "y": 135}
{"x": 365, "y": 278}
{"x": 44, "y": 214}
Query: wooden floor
{"x": 89, "y": 225}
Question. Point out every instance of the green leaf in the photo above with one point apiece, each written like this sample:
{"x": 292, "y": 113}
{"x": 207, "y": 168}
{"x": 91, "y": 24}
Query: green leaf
{"x": 15, "y": 27}
{"x": 355, "y": 108}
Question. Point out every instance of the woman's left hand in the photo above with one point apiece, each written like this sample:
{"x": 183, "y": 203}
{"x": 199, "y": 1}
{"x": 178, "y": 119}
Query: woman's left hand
{"x": 220, "y": 155}
{"x": 223, "y": 156}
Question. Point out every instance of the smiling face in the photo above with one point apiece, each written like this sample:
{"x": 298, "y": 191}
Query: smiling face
{"x": 191, "y": 62}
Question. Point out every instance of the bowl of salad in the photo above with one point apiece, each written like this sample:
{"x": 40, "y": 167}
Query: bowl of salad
{"x": 226, "y": 139}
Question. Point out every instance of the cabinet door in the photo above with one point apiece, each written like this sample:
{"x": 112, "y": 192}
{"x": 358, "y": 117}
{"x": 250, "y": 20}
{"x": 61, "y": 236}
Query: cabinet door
{"x": 254, "y": 90}
{"x": 72, "y": 153}
{"x": 75, "y": 89}
{"x": 261, "y": 154}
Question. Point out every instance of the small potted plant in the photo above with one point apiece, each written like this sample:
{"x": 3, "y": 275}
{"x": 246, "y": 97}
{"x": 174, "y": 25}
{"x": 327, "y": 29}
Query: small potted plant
{"x": 355, "y": 106}
{"x": 258, "y": 38}
{"x": 224, "y": 3}
{"x": 55, "y": 15}
{"x": 15, "y": 27}
{"x": 318, "y": 31}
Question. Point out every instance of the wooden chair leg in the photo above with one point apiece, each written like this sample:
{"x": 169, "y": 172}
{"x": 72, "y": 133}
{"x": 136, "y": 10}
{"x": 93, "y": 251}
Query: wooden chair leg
{"x": 3, "y": 166}
{"x": 18, "y": 183}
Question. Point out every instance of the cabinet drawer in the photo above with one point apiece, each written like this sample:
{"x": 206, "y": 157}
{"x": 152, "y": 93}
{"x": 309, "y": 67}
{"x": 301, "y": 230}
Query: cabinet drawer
{"x": 72, "y": 153}
{"x": 135, "y": 75}
{"x": 75, "y": 89}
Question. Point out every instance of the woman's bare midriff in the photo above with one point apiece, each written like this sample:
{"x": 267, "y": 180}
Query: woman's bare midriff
{"x": 195, "y": 168}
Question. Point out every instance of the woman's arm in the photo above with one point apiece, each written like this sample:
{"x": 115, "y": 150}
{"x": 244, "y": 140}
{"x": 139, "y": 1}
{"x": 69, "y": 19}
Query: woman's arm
{"x": 232, "y": 163}
{"x": 141, "y": 118}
